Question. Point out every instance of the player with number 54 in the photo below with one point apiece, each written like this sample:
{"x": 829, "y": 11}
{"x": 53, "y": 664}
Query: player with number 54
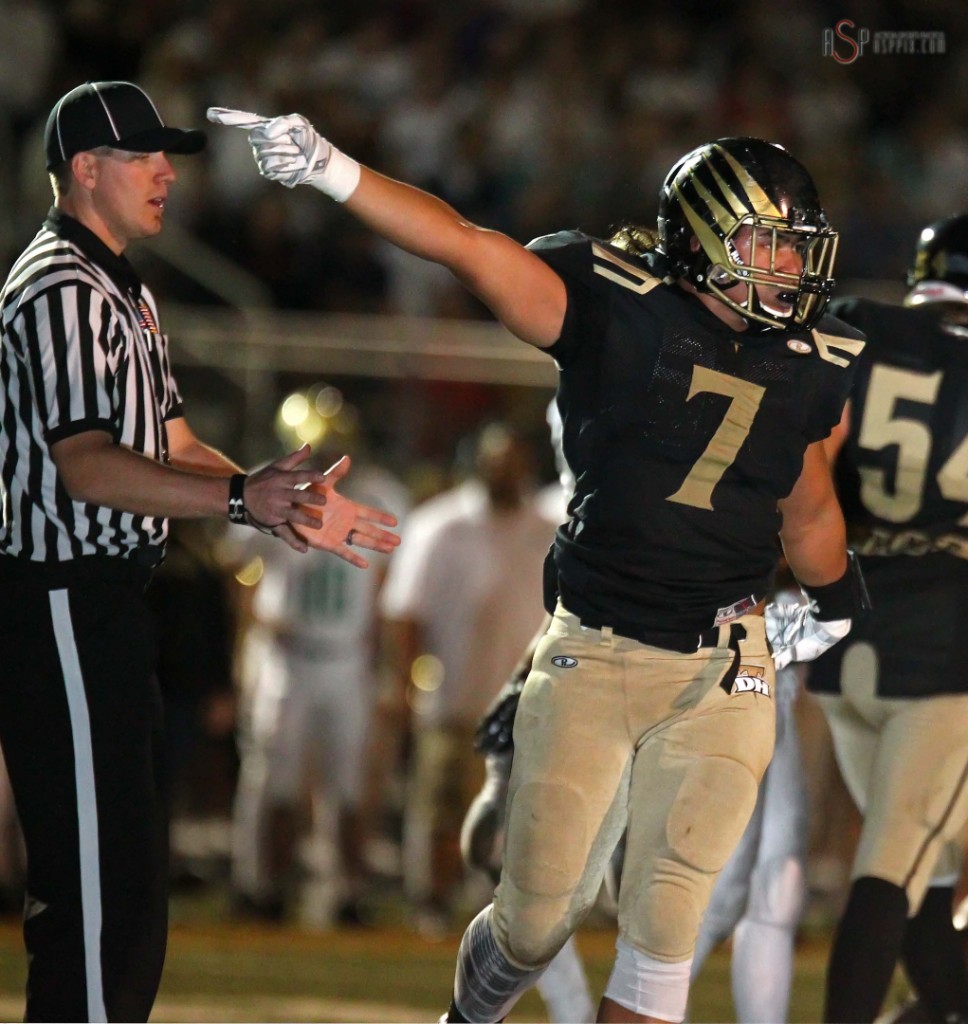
{"x": 895, "y": 693}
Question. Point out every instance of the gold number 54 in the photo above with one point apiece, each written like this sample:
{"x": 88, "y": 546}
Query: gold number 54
{"x": 882, "y": 426}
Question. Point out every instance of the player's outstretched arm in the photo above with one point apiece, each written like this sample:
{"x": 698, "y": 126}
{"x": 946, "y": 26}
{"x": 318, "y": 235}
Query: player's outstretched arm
{"x": 522, "y": 291}
{"x": 345, "y": 524}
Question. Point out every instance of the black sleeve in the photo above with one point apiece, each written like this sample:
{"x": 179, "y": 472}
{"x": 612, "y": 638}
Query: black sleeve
{"x": 840, "y": 347}
{"x": 569, "y": 254}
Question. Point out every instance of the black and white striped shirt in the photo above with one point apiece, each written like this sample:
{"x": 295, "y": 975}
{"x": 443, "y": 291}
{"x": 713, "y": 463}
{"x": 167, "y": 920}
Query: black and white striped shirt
{"x": 80, "y": 349}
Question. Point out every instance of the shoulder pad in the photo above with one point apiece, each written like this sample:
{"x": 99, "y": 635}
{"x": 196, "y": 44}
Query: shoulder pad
{"x": 623, "y": 268}
{"x": 573, "y": 254}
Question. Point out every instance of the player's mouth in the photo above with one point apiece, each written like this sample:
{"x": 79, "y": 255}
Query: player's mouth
{"x": 159, "y": 204}
{"x": 779, "y": 303}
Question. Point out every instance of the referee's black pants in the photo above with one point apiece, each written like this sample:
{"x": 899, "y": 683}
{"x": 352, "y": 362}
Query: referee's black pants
{"x": 81, "y": 731}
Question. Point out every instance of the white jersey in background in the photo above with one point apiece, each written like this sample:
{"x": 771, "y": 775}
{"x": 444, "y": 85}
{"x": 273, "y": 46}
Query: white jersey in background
{"x": 308, "y": 682}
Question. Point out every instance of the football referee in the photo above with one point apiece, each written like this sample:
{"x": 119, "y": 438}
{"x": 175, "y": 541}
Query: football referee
{"x": 95, "y": 455}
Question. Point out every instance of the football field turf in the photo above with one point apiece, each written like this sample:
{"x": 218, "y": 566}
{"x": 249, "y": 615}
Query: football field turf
{"x": 230, "y": 972}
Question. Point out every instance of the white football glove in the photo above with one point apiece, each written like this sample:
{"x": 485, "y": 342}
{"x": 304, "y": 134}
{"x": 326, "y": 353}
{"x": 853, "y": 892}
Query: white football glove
{"x": 289, "y": 150}
{"x": 796, "y": 634}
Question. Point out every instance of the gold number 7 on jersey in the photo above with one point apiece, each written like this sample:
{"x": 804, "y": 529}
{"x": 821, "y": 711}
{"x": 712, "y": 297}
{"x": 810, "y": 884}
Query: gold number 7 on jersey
{"x": 724, "y": 445}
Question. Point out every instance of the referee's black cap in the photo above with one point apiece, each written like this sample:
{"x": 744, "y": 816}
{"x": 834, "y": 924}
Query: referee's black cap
{"x": 117, "y": 114}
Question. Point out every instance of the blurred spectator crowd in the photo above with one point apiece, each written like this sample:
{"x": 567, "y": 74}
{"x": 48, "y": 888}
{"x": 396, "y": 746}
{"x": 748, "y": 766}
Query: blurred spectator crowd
{"x": 528, "y": 115}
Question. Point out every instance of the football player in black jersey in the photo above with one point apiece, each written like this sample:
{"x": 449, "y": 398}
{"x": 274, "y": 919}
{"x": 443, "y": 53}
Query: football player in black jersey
{"x": 698, "y": 380}
{"x": 896, "y": 695}
{"x": 759, "y": 896}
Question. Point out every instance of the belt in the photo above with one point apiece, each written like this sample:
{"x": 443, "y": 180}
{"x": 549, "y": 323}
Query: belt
{"x": 686, "y": 642}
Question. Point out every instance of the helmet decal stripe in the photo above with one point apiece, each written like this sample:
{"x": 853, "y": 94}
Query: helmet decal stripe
{"x": 760, "y": 200}
{"x": 723, "y": 218}
{"x": 708, "y": 238}
{"x": 740, "y": 203}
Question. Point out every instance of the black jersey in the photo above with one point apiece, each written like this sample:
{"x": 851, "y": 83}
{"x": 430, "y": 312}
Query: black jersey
{"x": 683, "y": 435}
{"x": 902, "y": 476}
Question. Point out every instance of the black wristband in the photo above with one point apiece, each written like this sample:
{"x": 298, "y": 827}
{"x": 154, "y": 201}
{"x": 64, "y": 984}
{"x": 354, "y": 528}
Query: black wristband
{"x": 237, "y": 498}
{"x": 845, "y": 598}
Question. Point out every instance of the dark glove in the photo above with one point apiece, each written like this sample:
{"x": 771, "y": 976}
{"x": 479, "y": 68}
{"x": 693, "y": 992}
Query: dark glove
{"x": 495, "y": 731}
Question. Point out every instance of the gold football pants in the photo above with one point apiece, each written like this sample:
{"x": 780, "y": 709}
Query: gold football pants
{"x": 611, "y": 733}
{"x": 905, "y": 762}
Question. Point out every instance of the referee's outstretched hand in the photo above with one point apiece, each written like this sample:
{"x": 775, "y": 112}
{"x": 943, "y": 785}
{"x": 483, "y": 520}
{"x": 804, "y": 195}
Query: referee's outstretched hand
{"x": 277, "y": 497}
{"x": 345, "y": 524}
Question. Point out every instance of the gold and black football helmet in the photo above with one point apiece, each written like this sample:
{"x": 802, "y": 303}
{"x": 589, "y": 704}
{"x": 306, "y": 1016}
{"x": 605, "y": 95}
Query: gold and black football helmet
{"x": 939, "y": 277}
{"x": 723, "y": 186}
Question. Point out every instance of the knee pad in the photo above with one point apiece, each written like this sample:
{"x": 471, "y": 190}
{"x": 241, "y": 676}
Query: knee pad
{"x": 482, "y": 832}
{"x": 777, "y": 891}
{"x": 553, "y": 870}
{"x": 715, "y": 802}
{"x": 539, "y": 812}
{"x": 647, "y": 986}
{"x": 537, "y": 931}
{"x": 705, "y": 823}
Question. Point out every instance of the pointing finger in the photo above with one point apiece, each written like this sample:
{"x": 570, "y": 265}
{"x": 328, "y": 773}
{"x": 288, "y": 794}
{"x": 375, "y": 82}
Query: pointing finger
{"x": 234, "y": 118}
{"x": 278, "y": 128}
